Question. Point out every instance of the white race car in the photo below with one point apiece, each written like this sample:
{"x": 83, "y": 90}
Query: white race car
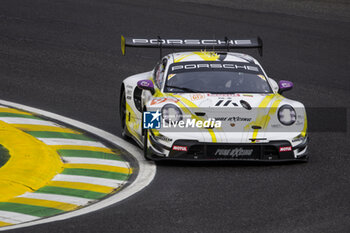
{"x": 211, "y": 105}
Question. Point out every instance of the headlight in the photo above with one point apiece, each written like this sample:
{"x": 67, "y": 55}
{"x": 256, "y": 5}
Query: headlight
{"x": 171, "y": 113}
{"x": 287, "y": 115}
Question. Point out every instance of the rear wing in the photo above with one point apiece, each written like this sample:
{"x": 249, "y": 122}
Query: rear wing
{"x": 160, "y": 43}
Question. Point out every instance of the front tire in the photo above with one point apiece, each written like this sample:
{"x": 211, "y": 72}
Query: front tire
{"x": 145, "y": 144}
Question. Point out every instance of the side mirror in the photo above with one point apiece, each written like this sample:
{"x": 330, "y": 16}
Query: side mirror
{"x": 284, "y": 86}
{"x": 146, "y": 85}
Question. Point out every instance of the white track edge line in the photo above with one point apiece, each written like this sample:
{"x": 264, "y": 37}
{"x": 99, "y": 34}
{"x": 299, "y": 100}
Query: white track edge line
{"x": 15, "y": 217}
{"x": 107, "y": 162}
{"x": 27, "y": 121}
{"x": 70, "y": 142}
{"x": 79, "y": 201}
{"x": 146, "y": 173}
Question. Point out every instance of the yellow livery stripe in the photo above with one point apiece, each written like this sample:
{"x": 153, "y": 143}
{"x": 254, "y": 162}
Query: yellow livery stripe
{"x": 207, "y": 56}
{"x": 185, "y": 101}
{"x": 182, "y": 57}
{"x": 261, "y": 112}
{"x": 266, "y": 101}
{"x": 303, "y": 133}
{"x": 267, "y": 118}
{"x": 261, "y": 116}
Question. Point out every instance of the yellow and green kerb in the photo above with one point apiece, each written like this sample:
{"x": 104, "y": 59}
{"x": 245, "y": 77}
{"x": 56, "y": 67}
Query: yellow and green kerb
{"x": 48, "y": 169}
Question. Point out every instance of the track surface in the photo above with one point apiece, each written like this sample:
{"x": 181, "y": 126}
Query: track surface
{"x": 64, "y": 57}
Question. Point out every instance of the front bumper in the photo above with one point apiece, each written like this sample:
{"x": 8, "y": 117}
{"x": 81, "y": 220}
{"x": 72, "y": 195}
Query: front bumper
{"x": 202, "y": 151}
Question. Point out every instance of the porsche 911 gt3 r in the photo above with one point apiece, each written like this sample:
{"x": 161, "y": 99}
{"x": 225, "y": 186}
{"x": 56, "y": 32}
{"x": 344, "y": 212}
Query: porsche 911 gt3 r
{"x": 211, "y": 105}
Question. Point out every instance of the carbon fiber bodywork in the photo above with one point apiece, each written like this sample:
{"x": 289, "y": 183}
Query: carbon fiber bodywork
{"x": 201, "y": 151}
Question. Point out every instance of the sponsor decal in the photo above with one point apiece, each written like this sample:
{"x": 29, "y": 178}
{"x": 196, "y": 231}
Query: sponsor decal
{"x": 128, "y": 92}
{"x": 223, "y": 95}
{"x": 276, "y": 126}
{"x": 128, "y": 97}
{"x": 195, "y": 97}
{"x": 234, "y": 153}
{"x": 232, "y": 124}
{"x": 235, "y": 119}
{"x": 156, "y": 101}
{"x": 151, "y": 120}
{"x": 191, "y": 42}
{"x": 214, "y": 66}
{"x": 180, "y": 148}
{"x": 285, "y": 84}
{"x": 163, "y": 138}
{"x": 247, "y": 95}
{"x": 145, "y": 83}
{"x": 129, "y": 86}
{"x": 285, "y": 148}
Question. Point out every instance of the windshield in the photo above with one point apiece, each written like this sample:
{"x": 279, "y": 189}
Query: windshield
{"x": 216, "y": 77}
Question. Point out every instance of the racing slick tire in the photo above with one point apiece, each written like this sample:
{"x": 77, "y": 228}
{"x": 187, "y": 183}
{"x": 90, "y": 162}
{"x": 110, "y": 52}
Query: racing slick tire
{"x": 122, "y": 114}
{"x": 145, "y": 144}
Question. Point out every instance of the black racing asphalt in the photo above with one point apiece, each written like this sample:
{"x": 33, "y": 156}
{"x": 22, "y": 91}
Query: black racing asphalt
{"x": 64, "y": 57}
